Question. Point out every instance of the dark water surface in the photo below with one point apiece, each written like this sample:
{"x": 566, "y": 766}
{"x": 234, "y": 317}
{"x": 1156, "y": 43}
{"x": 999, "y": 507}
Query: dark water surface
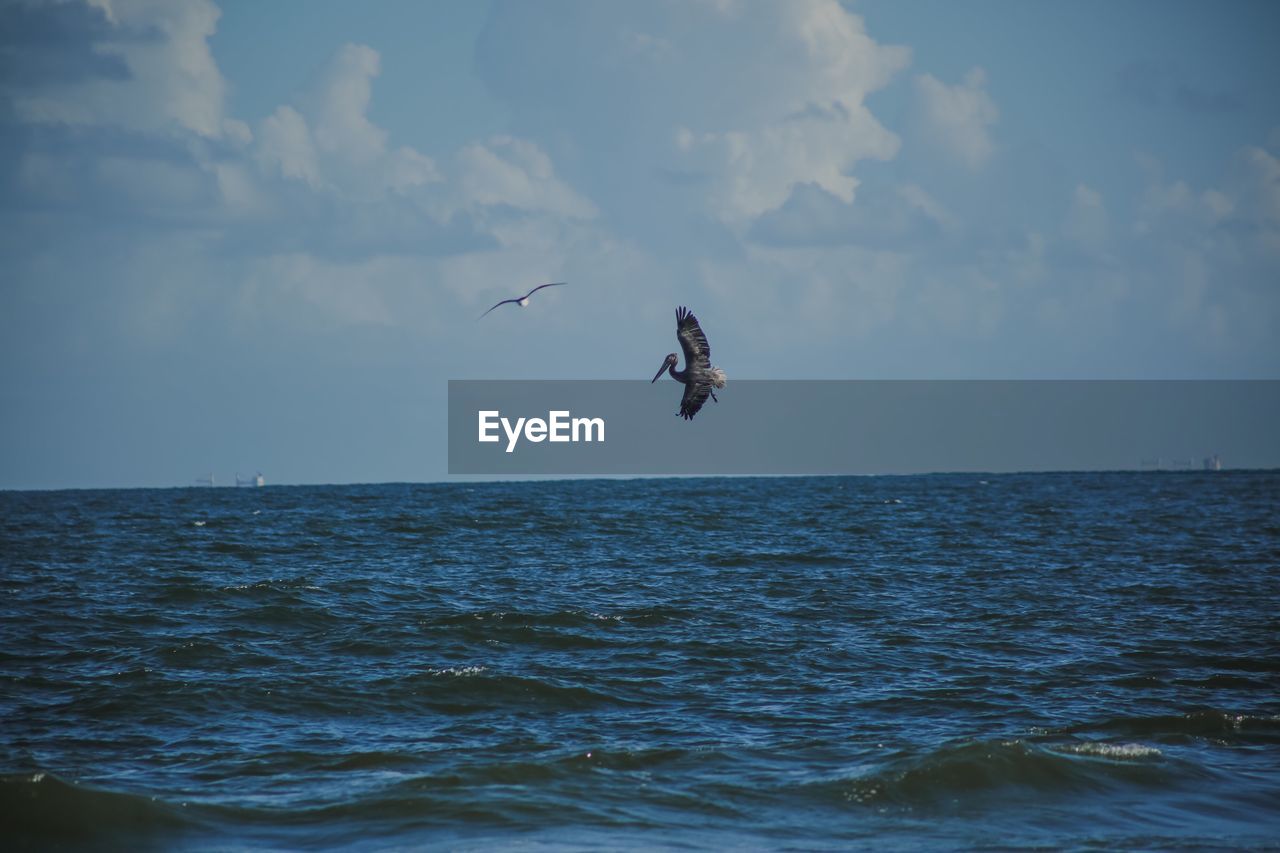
{"x": 897, "y": 662}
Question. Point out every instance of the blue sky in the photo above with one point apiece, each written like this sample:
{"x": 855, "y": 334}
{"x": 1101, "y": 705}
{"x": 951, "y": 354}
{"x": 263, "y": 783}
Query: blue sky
{"x": 243, "y": 236}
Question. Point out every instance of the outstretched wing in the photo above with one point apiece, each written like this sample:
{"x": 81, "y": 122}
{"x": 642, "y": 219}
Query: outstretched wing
{"x": 695, "y": 394}
{"x": 503, "y": 302}
{"x": 539, "y": 287}
{"x": 697, "y": 352}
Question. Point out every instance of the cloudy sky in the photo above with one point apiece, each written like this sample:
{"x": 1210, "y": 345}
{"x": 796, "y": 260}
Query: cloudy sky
{"x": 241, "y": 235}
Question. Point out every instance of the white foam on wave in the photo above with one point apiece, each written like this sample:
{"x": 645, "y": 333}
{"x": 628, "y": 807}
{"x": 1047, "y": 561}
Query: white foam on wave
{"x": 457, "y": 670}
{"x": 604, "y": 617}
{"x": 1121, "y": 751}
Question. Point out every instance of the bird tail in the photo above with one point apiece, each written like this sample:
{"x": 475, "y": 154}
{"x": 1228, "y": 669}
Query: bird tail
{"x": 718, "y": 379}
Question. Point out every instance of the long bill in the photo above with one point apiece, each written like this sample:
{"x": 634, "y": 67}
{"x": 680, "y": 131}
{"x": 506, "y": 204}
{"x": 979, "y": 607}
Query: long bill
{"x": 661, "y": 370}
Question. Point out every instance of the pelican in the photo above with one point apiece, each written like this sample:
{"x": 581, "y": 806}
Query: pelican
{"x": 700, "y": 376}
{"x": 524, "y": 300}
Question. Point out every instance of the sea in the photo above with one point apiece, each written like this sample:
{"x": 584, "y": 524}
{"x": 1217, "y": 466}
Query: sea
{"x": 959, "y": 661}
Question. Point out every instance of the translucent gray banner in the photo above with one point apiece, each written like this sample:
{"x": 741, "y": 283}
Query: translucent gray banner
{"x": 777, "y": 427}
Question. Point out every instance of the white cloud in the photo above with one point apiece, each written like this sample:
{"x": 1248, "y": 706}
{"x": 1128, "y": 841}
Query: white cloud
{"x": 151, "y": 184}
{"x": 1218, "y": 203}
{"x": 881, "y": 217}
{"x": 519, "y": 174}
{"x": 726, "y": 105}
{"x": 740, "y": 129}
{"x": 1205, "y": 259}
{"x": 819, "y": 127}
{"x": 322, "y": 212}
{"x": 1245, "y": 207}
{"x": 1087, "y": 222}
{"x": 1160, "y": 199}
{"x": 239, "y": 189}
{"x": 756, "y": 170}
{"x": 284, "y": 144}
{"x": 346, "y": 293}
{"x": 918, "y": 199}
{"x": 1257, "y": 184}
{"x": 958, "y": 118}
{"x": 340, "y": 104}
{"x": 330, "y": 143}
{"x": 173, "y": 82}
{"x": 845, "y": 292}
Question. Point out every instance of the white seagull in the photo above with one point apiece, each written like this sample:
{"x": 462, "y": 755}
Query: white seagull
{"x": 524, "y": 300}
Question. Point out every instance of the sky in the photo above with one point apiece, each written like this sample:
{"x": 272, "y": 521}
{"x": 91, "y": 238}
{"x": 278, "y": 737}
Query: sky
{"x": 246, "y": 236}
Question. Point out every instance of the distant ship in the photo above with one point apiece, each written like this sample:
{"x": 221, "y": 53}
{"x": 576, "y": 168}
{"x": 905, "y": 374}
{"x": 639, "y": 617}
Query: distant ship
{"x": 1212, "y": 463}
{"x": 257, "y": 480}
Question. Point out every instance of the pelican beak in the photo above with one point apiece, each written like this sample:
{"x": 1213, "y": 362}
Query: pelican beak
{"x": 661, "y": 370}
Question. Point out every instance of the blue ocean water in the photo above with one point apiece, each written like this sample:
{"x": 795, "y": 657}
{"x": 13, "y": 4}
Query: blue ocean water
{"x": 891, "y": 662}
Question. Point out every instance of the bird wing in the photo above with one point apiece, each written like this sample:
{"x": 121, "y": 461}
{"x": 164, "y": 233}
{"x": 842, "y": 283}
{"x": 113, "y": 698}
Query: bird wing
{"x": 697, "y": 352}
{"x": 503, "y": 302}
{"x": 695, "y": 394}
{"x": 539, "y": 287}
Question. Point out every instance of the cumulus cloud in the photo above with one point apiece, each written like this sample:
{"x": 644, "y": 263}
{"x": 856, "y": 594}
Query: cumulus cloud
{"x": 284, "y": 144}
{"x": 732, "y": 104}
{"x": 722, "y": 147}
{"x": 1202, "y": 259}
{"x": 958, "y": 118}
{"x": 342, "y": 101}
{"x": 164, "y": 77}
{"x": 331, "y": 144}
{"x": 152, "y": 140}
{"x": 510, "y": 172}
{"x": 822, "y": 128}
{"x": 381, "y": 197}
{"x": 1245, "y": 205}
{"x": 315, "y": 210}
{"x": 55, "y": 43}
{"x": 885, "y": 217}
{"x": 755, "y": 170}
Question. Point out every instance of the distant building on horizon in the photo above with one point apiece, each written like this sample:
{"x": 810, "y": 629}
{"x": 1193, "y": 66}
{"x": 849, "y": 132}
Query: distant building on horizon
{"x": 1212, "y": 462}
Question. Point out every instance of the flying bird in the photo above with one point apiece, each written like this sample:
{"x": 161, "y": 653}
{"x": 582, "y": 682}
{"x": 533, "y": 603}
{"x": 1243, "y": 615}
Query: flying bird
{"x": 524, "y": 300}
{"x": 699, "y": 376}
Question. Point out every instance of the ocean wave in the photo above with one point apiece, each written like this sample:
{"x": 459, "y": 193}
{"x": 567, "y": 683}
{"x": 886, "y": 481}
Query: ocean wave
{"x": 40, "y": 809}
{"x": 476, "y": 690}
{"x": 1208, "y": 724}
{"x": 974, "y": 771}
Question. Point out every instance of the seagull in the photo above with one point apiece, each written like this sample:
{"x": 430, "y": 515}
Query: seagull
{"x": 524, "y": 300}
